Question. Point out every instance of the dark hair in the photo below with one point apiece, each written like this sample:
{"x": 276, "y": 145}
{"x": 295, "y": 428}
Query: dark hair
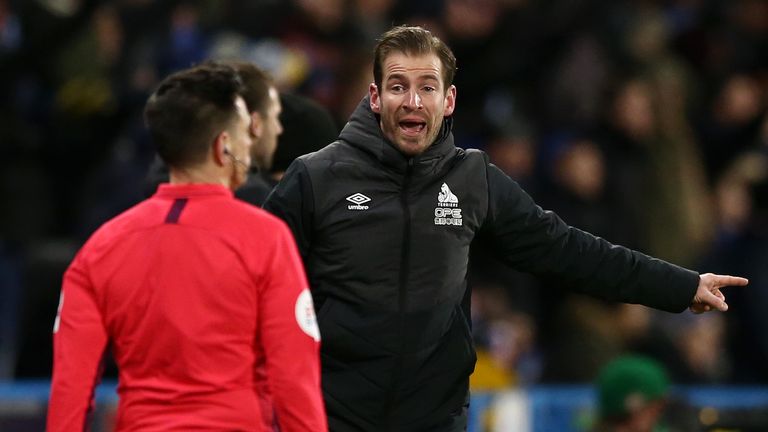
{"x": 257, "y": 83}
{"x": 309, "y": 127}
{"x": 189, "y": 109}
{"x": 413, "y": 40}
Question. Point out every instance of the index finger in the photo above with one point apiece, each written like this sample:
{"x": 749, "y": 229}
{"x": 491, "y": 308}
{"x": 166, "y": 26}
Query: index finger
{"x": 723, "y": 280}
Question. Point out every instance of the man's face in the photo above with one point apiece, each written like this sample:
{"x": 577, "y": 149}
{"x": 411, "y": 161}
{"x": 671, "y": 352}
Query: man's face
{"x": 239, "y": 145}
{"x": 268, "y": 128}
{"x": 412, "y": 101}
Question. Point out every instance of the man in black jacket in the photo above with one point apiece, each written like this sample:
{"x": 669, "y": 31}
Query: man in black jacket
{"x": 384, "y": 218}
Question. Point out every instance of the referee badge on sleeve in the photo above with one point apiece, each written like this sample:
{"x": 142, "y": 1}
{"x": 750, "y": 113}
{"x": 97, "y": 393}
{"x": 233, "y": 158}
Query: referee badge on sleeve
{"x": 305, "y": 315}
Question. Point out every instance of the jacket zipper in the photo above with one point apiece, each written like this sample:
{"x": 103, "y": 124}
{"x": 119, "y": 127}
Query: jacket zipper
{"x": 402, "y": 295}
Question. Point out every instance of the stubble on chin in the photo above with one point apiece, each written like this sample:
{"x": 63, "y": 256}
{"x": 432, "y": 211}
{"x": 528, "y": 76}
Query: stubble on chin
{"x": 411, "y": 148}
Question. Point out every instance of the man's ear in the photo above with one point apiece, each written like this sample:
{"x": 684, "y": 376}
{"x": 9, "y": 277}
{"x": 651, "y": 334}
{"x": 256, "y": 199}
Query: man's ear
{"x": 373, "y": 91}
{"x": 257, "y": 125}
{"x": 220, "y": 148}
{"x": 450, "y": 101}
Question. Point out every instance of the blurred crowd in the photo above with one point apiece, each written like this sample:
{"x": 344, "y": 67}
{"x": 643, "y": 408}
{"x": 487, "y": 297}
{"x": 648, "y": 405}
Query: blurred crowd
{"x": 642, "y": 121}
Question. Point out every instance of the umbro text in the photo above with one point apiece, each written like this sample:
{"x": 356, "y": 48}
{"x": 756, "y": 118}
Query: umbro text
{"x": 357, "y": 201}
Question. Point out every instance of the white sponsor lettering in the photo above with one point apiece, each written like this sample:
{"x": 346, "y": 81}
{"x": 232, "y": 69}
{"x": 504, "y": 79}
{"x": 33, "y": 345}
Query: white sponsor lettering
{"x": 448, "y": 221}
{"x": 448, "y": 212}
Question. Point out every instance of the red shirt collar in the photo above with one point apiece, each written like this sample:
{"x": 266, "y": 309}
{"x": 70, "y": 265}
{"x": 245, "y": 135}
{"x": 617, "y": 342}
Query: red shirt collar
{"x": 167, "y": 190}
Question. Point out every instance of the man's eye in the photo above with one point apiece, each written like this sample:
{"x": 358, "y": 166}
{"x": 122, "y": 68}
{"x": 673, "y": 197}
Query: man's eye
{"x": 397, "y": 88}
{"x": 429, "y": 89}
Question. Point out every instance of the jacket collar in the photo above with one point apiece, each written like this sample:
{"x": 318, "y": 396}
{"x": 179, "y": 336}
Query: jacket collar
{"x": 363, "y": 131}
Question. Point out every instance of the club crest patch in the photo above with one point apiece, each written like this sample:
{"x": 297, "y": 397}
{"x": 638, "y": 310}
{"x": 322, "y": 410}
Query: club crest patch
{"x": 447, "y": 211}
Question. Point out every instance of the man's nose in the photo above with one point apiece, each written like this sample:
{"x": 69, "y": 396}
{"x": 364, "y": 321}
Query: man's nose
{"x": 413, "y": 100}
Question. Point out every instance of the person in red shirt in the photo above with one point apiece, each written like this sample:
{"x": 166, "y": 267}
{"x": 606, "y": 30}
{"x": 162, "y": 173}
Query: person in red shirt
{"x": 191, "y": 287}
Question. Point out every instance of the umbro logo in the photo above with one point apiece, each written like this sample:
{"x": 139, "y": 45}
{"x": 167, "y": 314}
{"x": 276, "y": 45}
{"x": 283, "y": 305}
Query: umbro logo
{"x": 357, "y": 201}
{"x": 358, "y": 198}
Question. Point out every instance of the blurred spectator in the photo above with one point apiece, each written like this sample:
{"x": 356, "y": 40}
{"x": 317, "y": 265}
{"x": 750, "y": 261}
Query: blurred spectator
{"x": 701, "y": 350}
{"x": 515, "y": 154}
{"x": 585, "y": 336}
{"x": 577, "y": 186}
{"x": 628, "y": 127}
{"x": 510, "y": 358}
{"x": 652, "y": 157}
{"x": 10, "y": 29}
{"x": 678, "y": 221}
{"x": 732, "y": 122}
{"x": 85, "y": 68}
{"x": 743, "y": 245}
{"x": 373, "y": 17}
{"x": 576, "y": 87}
{"x": 254, "y": 19}
{"x": 307, "y": 126}
{"x": 186, "y": 42}
{"x": 506, "y": 342}
{"x": 470, "y": 27}
{"x": 325, "y": 32}
{"x": 632, "y": 393}
{"x": 87, "y": 112}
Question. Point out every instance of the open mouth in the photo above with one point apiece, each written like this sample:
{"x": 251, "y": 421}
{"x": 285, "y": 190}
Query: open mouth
{"x": 412, "y": 127}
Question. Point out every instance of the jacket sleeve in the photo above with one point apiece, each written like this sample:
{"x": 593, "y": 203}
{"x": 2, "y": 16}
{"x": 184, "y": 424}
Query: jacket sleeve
{"x": 79, "y": 342}
{"x": 530, "y": 239}
{"x": 292, "y": 201}
{"x": 291, "y": 339}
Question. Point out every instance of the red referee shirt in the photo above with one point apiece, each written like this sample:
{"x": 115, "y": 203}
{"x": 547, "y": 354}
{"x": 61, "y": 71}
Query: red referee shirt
{"x": 189, "y": 287}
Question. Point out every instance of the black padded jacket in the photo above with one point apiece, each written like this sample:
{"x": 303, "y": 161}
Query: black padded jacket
{"x": 385, "y": 240}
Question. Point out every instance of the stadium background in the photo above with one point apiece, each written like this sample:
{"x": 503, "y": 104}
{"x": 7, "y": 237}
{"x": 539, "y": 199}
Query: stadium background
{"x": 642, "y": 121}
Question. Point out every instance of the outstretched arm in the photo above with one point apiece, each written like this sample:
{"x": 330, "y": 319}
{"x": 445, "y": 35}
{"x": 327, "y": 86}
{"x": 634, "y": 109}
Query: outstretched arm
{"x": 529, "y": 239}
{"x": 708, "y": 295}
